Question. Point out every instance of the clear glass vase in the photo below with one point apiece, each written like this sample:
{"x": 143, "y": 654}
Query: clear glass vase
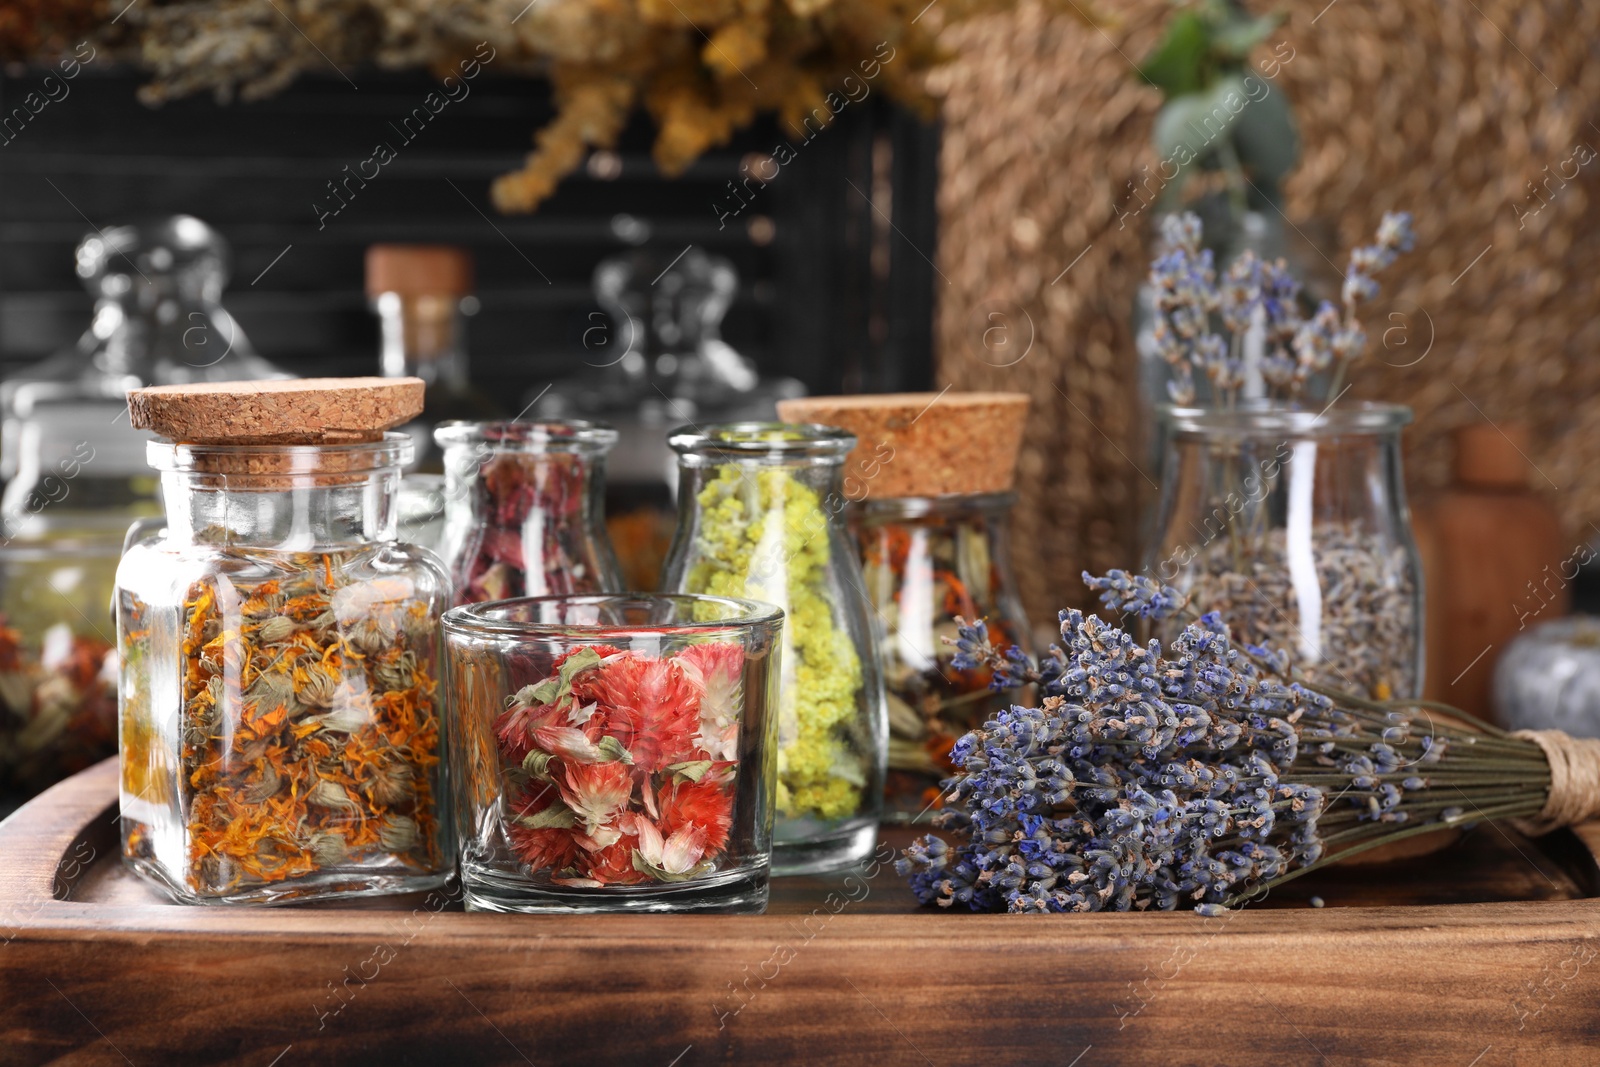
{"x": 924, "y": 562}
{"x": 614, "y": 753}
{"x": 525, "y": 509}
{"x": 1293, "y": 524}
{"x": 282, "y": 738}
{"x": 760, "y": 515}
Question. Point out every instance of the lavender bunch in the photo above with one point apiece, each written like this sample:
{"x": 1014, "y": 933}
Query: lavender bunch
{"x": 1189, "y": 301}
{"x": 1198, "y": 775}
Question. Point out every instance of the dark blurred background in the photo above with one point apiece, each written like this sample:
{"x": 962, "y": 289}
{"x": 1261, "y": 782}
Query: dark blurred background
{"x": 834, "y": 290}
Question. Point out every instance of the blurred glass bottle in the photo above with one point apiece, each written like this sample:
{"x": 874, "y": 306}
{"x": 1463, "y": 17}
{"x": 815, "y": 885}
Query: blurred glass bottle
{"x": 76, "y": 478}
{"x": 659, "y": 362}
{"x": 422, "y": 295}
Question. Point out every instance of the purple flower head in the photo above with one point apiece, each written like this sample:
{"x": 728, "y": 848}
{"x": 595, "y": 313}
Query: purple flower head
{"x": 1135, "y": 594}
{"x": 1180, "y": 231}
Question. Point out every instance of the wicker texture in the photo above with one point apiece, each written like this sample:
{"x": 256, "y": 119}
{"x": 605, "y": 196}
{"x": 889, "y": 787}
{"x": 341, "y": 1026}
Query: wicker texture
{"x": 1418, "y": 107}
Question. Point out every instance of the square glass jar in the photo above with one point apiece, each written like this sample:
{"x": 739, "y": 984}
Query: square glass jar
{"x": 614, "y": 752}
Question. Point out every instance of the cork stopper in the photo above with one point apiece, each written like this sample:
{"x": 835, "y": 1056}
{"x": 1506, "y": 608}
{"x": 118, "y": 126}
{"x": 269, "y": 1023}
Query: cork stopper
{"x": 943, "y": 443}
{"x": 305, "y": 411}
{"x": 1492, "y": 456}
{"x": 419, "y": 270}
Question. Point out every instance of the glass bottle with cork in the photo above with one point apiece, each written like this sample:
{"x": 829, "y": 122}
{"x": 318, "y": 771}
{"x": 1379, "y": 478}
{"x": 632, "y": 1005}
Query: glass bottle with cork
{"x": 281, "y": 732}
{"x": 423, "y": 295}
{"x": 929, "y": 486}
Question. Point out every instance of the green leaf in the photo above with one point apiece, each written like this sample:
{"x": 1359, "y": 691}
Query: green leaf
{"x": 1189, "y": 128}
{"x": 1233, "y": 39}
{"x": 533, "y": 696}
{"x": 553, "y": 690}
{"x": 613, "y": 750}
{"x": 1177, "y": 66}
{"x": 556, "y": 817}
{"x": 643, "y": 866}
{"x": 1266, "y": 139}
{"x": 692, "y": 771}
{"x": 535, "y": 764}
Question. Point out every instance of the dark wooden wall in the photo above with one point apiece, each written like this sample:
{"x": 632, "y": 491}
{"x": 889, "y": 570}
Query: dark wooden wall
{"x": 837, "y": 297}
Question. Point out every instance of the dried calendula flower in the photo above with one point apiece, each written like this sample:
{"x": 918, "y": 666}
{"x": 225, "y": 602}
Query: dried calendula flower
{"x": 308, "y": 735}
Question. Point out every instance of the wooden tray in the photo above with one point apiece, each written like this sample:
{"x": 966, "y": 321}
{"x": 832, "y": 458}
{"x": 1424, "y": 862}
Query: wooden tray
{"x": 1482, "y": 955}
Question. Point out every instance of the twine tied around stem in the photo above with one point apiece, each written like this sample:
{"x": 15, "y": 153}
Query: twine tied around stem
{"x": 1574, "y": 780}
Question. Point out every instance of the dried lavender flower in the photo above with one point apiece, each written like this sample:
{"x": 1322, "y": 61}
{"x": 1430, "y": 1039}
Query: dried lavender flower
{"x": 1198, "y": 775}
{"x": 1189, "y": 300}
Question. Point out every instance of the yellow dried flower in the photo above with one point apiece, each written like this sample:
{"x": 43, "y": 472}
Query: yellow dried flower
{"x": 703, "y": 68}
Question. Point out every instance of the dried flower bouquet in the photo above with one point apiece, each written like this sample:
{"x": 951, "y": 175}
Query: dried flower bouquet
{"x": 1207, "y": 772}
{"x": 702, "y": 68}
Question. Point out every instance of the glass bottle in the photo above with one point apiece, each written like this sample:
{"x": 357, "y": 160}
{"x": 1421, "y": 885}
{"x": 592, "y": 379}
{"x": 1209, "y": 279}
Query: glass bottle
{"x": 760, "y": 516}
{"x": 525, "y": 509}
{"x": 76, "y": 477}
{"x": 422, "y": 295}
{"x": 614, "y": 753}
{"x": 924, "y": 562}
{"x": 1294, "y": 525}
{"x": 654, "y": 358}
{"x": 281, "y": 731}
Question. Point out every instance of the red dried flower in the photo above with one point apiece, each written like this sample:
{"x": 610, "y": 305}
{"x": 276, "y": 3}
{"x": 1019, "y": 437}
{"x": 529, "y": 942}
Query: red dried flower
{"x": 706, "y": 804}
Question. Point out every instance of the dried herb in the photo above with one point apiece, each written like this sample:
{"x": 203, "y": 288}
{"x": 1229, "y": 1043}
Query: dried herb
{"x": 1204, "y": 773}
{"x": 702, "y": 70}
{"x": 1258, "y": 293}
{"x": 58, "y": 705}
{"x": 309, "y": 731}
{"x": 923, "y": 576}
{"x": 621, "y": 765}
{"x": 763, "y": 536}
{"x": 1364, "y": 636}
{"x": 531, "y": 536}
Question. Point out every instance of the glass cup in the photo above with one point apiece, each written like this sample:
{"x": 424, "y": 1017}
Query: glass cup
{"x": 614, "y": 752}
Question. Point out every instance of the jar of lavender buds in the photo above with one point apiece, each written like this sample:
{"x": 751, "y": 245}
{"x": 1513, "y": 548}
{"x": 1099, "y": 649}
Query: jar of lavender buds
{"x": 1293, "y": 524}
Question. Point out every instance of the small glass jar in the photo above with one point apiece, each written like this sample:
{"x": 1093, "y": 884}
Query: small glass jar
{"x": 614, "y": 753}
{"x": 525, "y": 509}
{"x": 280, "y": 724}
{"x": 924, "y": 562}
{"x": 760, "y": 516}
{"x": 1293, "y": 525}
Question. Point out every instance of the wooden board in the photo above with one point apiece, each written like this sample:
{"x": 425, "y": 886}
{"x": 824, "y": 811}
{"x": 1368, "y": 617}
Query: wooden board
{"x": 1486, "y": 954}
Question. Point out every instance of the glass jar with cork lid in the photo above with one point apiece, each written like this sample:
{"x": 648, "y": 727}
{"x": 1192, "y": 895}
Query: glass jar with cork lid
{"x": 930, "y": 491}
{"x": 280, "y": 723}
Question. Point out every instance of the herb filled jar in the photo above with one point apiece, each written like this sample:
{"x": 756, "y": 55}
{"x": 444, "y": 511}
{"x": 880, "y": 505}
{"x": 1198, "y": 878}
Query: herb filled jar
{"x": 1293, "y": 524}
{"x": 929, "y": 485}
{"x": 760, "y": 509}
{"x": 280, "y": 722}
{"x": 614, "y": 753}
{"x": 525, "y": 509}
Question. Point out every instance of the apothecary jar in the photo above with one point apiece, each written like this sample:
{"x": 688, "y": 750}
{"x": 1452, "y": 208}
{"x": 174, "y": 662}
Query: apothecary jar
{"x": 614, "y": 753}
{"x": 760, "y": 515}
{"x": 927, "y": 561}
{"x": 282, "y": 736}
{"x": 1293, "y": 525}
{"x": 525, "y": 509}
